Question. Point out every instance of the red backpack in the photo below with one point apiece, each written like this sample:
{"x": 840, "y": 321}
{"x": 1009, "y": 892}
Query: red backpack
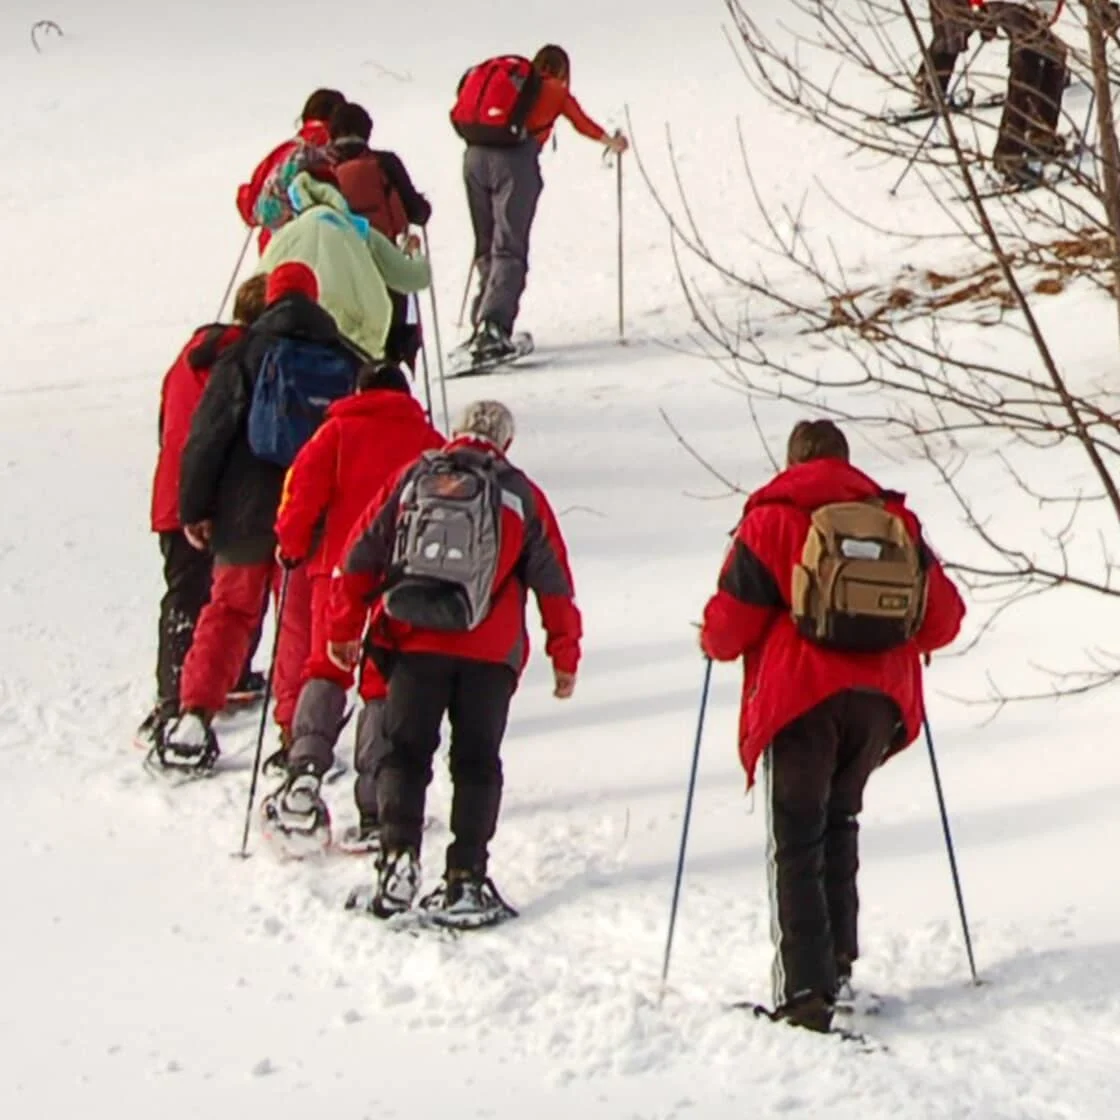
{"x": 369, "y": 193}
{"x": 494, "y": 101}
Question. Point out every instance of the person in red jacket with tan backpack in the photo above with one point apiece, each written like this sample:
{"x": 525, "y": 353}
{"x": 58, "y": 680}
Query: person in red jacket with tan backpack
{"x": 366, "y": 439}
{"x": 187, "y": 572}
{"x": 831, "y": 597}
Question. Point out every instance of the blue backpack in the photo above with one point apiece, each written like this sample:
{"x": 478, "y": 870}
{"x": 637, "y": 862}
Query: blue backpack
{"x": 297, "y": 381}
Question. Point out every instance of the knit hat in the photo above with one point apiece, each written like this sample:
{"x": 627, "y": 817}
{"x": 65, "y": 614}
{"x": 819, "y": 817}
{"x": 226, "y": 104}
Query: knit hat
{"x": 290, "y": 277}
{"x": 489, "y": 420}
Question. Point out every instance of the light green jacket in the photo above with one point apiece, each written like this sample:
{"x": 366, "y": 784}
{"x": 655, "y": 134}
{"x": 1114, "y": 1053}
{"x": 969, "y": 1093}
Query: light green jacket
{"x": 354, "y": 263}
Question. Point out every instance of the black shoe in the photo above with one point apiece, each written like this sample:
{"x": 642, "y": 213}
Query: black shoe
{"x": 248, "y": 689}
{"x": 811, "y": 1010}
{"x": 467, "y": 900}
{"x": 150, "y": 733}
{"x": 398, "y": 883}
{"x": 492, "y": 343}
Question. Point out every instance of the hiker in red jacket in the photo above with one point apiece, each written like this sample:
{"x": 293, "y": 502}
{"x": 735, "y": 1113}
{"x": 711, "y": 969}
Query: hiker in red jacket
{"x": 313, "y": 134}
{"x": 377, "y": 186}
{"x": 366, "y": 439}
{"x": 821, "y": 716}
{"x": 447, "y": 554}
{"x": 186, "y": 571}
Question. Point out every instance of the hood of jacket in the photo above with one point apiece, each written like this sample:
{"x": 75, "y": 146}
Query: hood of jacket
{"x": 816, "y": 483}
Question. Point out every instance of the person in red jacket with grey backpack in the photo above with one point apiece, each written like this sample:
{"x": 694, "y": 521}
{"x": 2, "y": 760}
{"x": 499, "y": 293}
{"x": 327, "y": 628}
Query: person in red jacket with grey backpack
{"x": 831, "y": 597}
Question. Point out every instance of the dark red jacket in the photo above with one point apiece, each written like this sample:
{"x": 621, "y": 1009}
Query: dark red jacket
{"x": 313, "y": 132}
{"x": 179, "y": 396}
{"x": 784, "y": 674}
{"x": 533, "y": 557}
{"x": 365, "y": 440}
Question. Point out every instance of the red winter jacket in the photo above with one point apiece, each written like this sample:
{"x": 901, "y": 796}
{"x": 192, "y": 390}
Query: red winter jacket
{"x": 533, "y": 557}
{"x": 182, "y": 388}
{"x": 365, "y": 440}
{"x": 312, "y": 132}
{"x": 784, "y": 674}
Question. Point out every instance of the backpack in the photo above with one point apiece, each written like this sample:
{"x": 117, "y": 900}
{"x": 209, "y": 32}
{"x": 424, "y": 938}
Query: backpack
{"x": 448, "y": 538}
{"x": 494, "y": 100}
{"x": 297, "y": 381}
{"x": 860, "y": 585}
{"x": 273, "y": 208}
{"x": 369, "y": 194}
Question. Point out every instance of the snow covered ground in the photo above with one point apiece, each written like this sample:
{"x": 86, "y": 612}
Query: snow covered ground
{"x": 146, "y": 969}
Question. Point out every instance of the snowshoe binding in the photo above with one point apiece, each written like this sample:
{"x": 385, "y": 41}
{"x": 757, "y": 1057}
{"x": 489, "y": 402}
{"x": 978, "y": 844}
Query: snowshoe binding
{"x": 465, "y": 900}
{"x": 295, "y": 819}
{"x": 488, "y": 348}
{"x": 248, "y": 691}
{"x": 187, "y": 746}
{"x": 151, "y": 730}
{"x": 398, "y": 883}
{"x": 363, "y": 838}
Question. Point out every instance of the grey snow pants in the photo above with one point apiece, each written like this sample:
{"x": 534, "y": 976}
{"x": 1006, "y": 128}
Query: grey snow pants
{"x": 503, "y": 187}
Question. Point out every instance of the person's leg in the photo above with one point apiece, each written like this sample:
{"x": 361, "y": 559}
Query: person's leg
{"x": 187, "y": 573}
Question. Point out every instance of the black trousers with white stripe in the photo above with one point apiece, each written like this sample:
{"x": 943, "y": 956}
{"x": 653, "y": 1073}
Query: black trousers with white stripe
{"x": 815, "y": 772}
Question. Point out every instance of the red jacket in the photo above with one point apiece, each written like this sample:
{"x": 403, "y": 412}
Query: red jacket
{"x": 533, "y": 556}
{"x": 182, "y": 388}
{"x": 366, "y": 439}
{"x": 784, "y": 674}
{"x": 312, "y": 132}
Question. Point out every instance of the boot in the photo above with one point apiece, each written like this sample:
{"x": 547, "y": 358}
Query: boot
{"x": 150, "y": 732}
{"x": 188, "y": 743}
{"x": 276, "y": 765}
{"x": 295, "y": 818}
{"x": 466, "y": 900}
{"x": 492, "y": 343}
{"x": 398, "y": 883}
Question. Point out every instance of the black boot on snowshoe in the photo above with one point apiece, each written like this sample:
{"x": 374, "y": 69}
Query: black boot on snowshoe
{"x": 398, "y": 883}
{"x": 248, "y": 690}
{"x": 295, "y": 819}
{"x": 492, "y": 344}
{"x": 466, "y": 900}
{"x": 362, "y": 838}
{"x": 150, "y": 732}
{"x": 187, "y": 743}
{"x": 810, "y": 1010}
{"x": 276, "y": 765}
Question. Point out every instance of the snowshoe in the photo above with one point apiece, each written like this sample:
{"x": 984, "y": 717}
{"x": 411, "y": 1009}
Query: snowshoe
{"x": 398, "y": 883}
{"x": 186, "y": 745}
{"x": 813, "y": 1014}
{"x": 488, "y": 349}
{"x": 151, "y": 730}
{"x": 466, "y": 901}
{"x": 361, "y": 839}
{"x": 295, "y": 819}
{"x": 248, "y": 691}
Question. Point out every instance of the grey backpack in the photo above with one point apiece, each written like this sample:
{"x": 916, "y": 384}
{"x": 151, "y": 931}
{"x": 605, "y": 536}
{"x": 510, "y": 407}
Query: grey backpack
{"x": 448, "y": 537}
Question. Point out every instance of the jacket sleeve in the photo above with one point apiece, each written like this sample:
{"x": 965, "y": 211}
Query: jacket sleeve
{"x": 748, "y": 596}
{"x": 248, "y": 193}
{"x": 416, "y": 206}
{"x": 945, "y": 609}
{"x": 580, "y": 121}
{"x": 214, "y": 427}
{"x": 308, "y": 489}
{"x": 400, "y": 272}
{"x": 544, "y": 568}
{"x": 364, "y": 566}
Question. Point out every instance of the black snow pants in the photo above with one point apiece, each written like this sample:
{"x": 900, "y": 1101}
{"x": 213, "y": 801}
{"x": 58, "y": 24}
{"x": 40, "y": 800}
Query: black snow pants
{"x": 814, "y": 773}
{"x": 476, "y": 697}
{"x": 1028, "y": 128}
{"x": 503, "y": 188}
{"x": 952, "y": 27}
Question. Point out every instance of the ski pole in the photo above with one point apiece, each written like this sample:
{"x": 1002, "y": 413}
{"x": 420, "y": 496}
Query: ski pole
{"x": 949, "y": 847}
{"x": 466, "y": 293}
{"x": 236, "y": 272}
{"x": 684, "y": 828}
{"x": 435, "y": 328}
{"x": 943, "y": 105}
{"x": 618, "y": 195}
{"x": 424, "y": 360}
{"x": 244, "y": 853}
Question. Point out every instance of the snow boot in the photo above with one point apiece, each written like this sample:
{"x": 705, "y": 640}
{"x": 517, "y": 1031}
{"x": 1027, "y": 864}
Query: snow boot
{"x": 150, "y": 732}
{"x": 295, "y": 819}
{"x": 491, "y": 344}
{"x": 276, "y": 765}
{"x": 398, "y": 883}
{"x": 466, "y": 900}
{"x": 248, "y": 690}
{"x": 187, "y": 743}
{"x": 810, "y": 1010}
{"x": 361, "y": 838}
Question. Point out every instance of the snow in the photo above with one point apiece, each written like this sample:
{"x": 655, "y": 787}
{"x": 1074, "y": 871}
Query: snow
{"x": 147, "y": 969}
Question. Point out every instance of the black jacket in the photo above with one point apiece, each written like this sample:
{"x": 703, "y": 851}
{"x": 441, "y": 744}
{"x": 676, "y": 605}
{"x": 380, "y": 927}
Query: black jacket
{"x": 222, "y": 480}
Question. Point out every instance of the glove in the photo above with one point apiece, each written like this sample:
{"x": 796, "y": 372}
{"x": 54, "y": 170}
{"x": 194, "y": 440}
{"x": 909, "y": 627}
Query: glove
{"x": 286, "y": 562}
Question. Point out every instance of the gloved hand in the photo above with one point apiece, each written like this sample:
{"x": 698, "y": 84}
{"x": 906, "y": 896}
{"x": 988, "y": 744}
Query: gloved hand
{"x": 286, "y": 562}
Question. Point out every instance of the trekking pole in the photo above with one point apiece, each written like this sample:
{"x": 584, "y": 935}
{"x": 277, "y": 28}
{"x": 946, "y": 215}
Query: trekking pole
{"x": 618, "y": 196}
{"x": 244, "y": 853}
{"x": 466, "y": 293}
{"x": 684, "y": 828}
{"x": 945, "y": 100}
{"x": 949, "y": 847}
{"x": 236, "y": 272}
{"x": 424, "y": 359}
{"x": 435, "y": 327}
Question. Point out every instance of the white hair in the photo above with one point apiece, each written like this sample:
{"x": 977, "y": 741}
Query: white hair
{"x": 490, "y": 420}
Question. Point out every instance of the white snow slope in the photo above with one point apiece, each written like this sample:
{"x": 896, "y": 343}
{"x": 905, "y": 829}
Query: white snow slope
{"x": 147, "y": 972}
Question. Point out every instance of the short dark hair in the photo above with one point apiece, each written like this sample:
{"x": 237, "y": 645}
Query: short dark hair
{"x": 320, "y": 105}
{"x": 350, "y": 119}
{"x": 553, "y": 61}
{"x": 815, "y": 439}
{"x": 250, "y": 300}
{"x": 382, "y": 375}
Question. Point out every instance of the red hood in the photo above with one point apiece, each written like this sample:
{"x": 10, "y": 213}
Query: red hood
{"x": 816, "y": 483}
{"x": 385, "y": 404}
{"x": 316, "y": 132}
{"x": 475, "y": 443}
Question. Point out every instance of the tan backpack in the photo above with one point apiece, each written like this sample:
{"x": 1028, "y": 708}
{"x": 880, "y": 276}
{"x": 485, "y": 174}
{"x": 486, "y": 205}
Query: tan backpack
{"x": 860, "y": 585}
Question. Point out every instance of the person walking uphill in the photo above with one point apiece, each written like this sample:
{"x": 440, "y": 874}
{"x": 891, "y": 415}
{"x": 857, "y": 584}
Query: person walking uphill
{"x": 501, "y": 170}
{"x": 447, "y": 554}
{"x": 831, "y": 597}
{"x": 228, "y": 498}
{"x": 366, "y": 439}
